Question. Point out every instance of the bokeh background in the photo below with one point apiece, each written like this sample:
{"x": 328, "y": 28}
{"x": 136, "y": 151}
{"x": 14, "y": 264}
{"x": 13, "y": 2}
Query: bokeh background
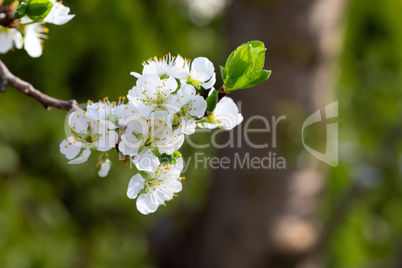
{"x": 311, "y": 215}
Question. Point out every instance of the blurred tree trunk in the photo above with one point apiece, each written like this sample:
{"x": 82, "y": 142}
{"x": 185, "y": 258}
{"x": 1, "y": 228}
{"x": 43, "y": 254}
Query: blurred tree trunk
{"x": 258, "y": 217}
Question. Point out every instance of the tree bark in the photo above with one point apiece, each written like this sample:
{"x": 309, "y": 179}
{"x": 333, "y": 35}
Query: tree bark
{"x": 267, "y": 217}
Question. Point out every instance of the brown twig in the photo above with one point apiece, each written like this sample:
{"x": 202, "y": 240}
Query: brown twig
{"x": 48, "y": 102}
{"x": 222, "y": 92}
{"x": 5, "y": 9}
{"x": 7, "y": 20}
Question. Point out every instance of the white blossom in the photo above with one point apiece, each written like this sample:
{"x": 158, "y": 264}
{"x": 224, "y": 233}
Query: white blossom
{"x": 201, "y": 73}
{"x": 192, "y": 105}
{"x": 9, "y": 38}
{"x": 153, "y": 97}
{"x": 58, "y": 14}
{"x": 104, "y": 168}
{"x": 33, "y": 39}
{"x": 149, "y": 130}
{"x": 144, "y": 136}
{"x": 226, "y": 115}
{"x": 164, "y": 67}
{"x": 156, "y": 189}
{"x": 89, "y": 133}
{"x": 146, "y": 160}
{"x": 111, "y": 113}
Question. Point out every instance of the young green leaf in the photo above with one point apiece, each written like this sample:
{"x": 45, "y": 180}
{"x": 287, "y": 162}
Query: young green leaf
{"x": 251, "y": 79}
{"x": 169, "y": 159}
{"x": 21, "y": 11}
{"x": 243, "y": 68}
{"x": 239, "y": 63}
{"x": 212, "y": 100}
{"x": 223, "y": 74}
{"x": 37, "y": 10}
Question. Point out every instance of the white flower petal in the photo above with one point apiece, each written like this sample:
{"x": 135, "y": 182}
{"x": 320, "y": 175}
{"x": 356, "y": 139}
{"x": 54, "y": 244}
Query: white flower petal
{"x": 137, "y": 75}
{"x": 148, "y": 82}
{"x": 98, "y": 110}
{"x": 70, "y": 148}
{"x": 171, "y": 144}
{"x": 5, "y": 42}
{"x": 159, "y": 114}
{"x": 9, "y": 38}
{"x": 201, "y": 69}
{"x": 104, "y": 168}
{"x": 227, "y": 112}
{"x": 173, "y": 104}
{"x": 135, "y": 186}
{"x": 145, "y": 204}
{"x": 124, "y": 111}
{"x": 178, "y": 72}
{"x": 239, "y": 118}
{"x": 33, "y": 40}
{"x": 186, "y": 94}
{"x": 107, "y": 141}
{"x": 128, "y": 148}
{"x": 58, "y": 15}
{"x": 169, "y": 120}
{"x": 210, "y": 83}
{"x": 207, "y": 125}
{"x": 198, "y": 106}
{"x": 186, "y": 127}
{"x": 169, "y": 85}
{"x": 146, "y": 161}
{"x": 82, "y": 158}
{"x": 139, "y": 107}
{"x": 78, "y": 121}
{"x": 151, "y": 69}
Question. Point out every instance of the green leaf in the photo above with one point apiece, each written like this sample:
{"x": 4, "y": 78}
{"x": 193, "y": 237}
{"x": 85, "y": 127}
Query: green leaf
{"x": 258, "y": 52}
{"x": 223, "y": 74}
{"x": 169, "y": 159}
{"x": 21, "y": 11}
{"x": 212, "y": 100}
{"x": 243, "y": 68}
{"x": 177, "y": 154}
{"x": 37, "y": 10}
{"x": 145, "y": 175}
{"x": 251, "y": 79}
{"x": 156, "y": 152}
{"x": 240, "y": 63}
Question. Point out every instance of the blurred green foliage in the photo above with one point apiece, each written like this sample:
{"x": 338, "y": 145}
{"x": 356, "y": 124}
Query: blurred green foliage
{"x": 370, "y": 232}
{"x": 57, "y": 215}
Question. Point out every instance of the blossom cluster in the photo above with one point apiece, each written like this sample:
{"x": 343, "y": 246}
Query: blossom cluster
{"x": 29, "y": 34}
{"x": 149, "y": 126}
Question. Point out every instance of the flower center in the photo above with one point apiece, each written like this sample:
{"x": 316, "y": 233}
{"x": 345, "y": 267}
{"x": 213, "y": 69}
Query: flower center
{"x": 88, "y": 137}
{"x": 194, "y": 82}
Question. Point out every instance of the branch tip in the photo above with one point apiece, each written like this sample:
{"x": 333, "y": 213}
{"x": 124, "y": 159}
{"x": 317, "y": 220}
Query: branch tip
{"x": 26, "y": 88}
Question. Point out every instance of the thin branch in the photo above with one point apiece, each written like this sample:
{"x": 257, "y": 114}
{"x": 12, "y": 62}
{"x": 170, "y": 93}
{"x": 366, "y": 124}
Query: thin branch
{"x": 48, "y": 102}
{"x": 222, "y": 92}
